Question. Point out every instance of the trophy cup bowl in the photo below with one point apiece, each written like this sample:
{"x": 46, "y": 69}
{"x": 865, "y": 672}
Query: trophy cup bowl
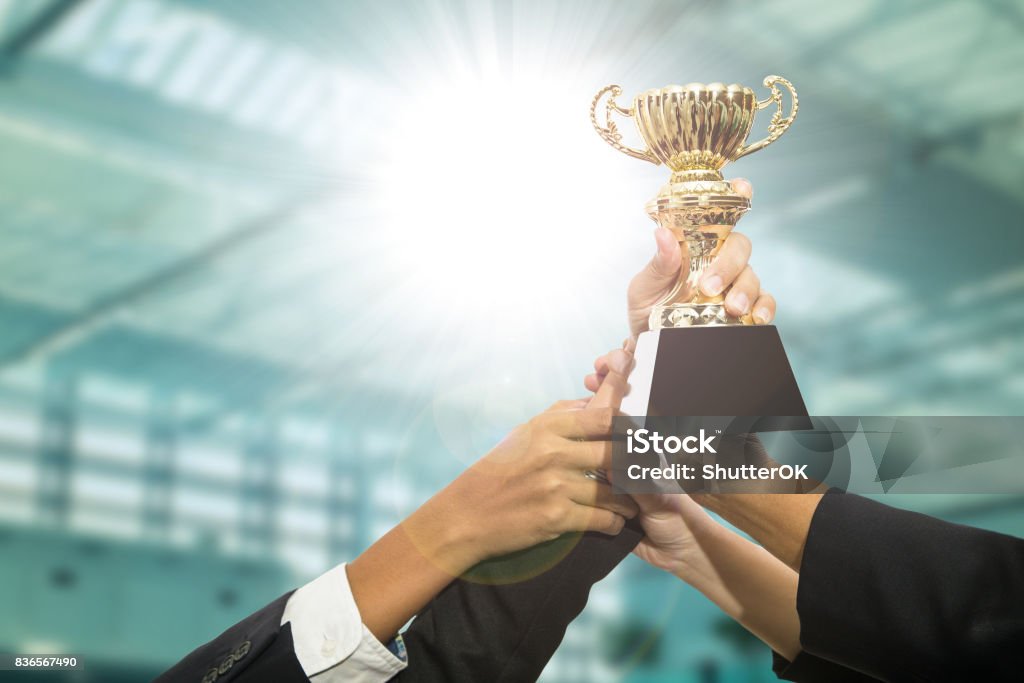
{"x": 695, "y": 130}
{"x": 695, "y": 126}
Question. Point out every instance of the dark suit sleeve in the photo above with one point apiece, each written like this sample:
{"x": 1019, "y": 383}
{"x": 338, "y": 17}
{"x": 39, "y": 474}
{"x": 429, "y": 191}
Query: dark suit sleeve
{"x": 255, "y": 649}
{"x": 905, "y": 597}
{"x": 501, "y": 624}
{"x": 806, "y": 668}
{"x": 495, "y": 628}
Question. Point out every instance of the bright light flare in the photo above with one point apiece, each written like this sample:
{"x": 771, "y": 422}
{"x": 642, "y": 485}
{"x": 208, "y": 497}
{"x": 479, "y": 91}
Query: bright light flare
{"x": 488, "y": 189}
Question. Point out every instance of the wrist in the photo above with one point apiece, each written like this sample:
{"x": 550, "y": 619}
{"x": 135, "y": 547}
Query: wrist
{"x": 694, "y": 566}
{"x": 444, "y": 535}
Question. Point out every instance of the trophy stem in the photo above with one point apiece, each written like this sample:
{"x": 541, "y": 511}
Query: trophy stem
{"x": 685, "y": 305}
{"x": 701, "y": 213}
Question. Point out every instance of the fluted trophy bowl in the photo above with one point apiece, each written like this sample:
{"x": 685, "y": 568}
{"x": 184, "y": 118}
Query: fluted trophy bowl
{"x": 695, "y": 130}
{"x": 695, "y": 126}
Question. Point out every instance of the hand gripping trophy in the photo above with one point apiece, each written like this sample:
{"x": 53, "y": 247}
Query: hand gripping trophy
{"x": 695, "y": 130}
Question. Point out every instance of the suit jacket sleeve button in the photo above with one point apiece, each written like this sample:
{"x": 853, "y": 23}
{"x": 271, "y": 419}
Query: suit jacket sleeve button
{"x": 243, "y": 650}
{"x": 226, "y": 665}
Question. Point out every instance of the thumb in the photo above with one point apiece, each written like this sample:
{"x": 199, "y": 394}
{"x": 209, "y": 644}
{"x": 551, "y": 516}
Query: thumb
{"x": 664, "y": 267}
{"x": 660, "y": 274}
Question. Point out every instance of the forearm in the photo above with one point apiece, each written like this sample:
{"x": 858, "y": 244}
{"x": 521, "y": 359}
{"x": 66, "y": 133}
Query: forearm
{"x": 399, "y": 574}
{"x": 748, "y": 584}
{"x": 779, "y": 522}
{"x": 529, "y": 489}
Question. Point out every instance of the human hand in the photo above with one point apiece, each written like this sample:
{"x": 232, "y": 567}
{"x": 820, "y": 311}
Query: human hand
{"x": 616, "y": 361}
{"x": 744, "y": 580}
{"x": 673, "y": 523}
{"x": 532, "y": 487}
{"x": 658, "y": 277}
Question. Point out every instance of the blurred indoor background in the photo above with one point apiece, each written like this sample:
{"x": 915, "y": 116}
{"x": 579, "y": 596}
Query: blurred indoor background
{"x": 273, "y": 272}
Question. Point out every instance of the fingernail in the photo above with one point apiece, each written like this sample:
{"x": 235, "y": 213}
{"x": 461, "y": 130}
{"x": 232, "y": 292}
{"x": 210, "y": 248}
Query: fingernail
{"x": 712, "y": 285}
{"x": 740, "y": 302}
{"x": 762, "y": 315}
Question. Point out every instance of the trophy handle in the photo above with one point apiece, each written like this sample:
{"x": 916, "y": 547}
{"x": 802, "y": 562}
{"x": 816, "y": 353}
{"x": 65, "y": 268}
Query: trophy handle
{"x": 778, "y": 125}
{"x": 609, "y": 132}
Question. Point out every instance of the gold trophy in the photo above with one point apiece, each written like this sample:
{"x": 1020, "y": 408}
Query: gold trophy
{"x": 695, "y": 130}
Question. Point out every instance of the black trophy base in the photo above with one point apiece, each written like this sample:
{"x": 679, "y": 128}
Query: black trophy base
{"x": 726, "y": 371}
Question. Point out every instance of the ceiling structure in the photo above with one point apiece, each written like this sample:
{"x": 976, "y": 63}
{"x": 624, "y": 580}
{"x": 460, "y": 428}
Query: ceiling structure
{"x": 187, "y": 188}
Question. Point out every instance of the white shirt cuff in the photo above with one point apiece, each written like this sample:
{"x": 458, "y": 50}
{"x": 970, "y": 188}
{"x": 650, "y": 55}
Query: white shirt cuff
{"x": 331, "y": 642}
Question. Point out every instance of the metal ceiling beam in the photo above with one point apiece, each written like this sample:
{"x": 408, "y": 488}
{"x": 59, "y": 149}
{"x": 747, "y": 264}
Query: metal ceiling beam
{"x": 139, "y": 130}
{"x": 870, "y": 361}
{"x": 830, "y": 44}
{"x": 106, "y": 308}
{"x": 827, "y": 50}
{"x": 34, "y": 30}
